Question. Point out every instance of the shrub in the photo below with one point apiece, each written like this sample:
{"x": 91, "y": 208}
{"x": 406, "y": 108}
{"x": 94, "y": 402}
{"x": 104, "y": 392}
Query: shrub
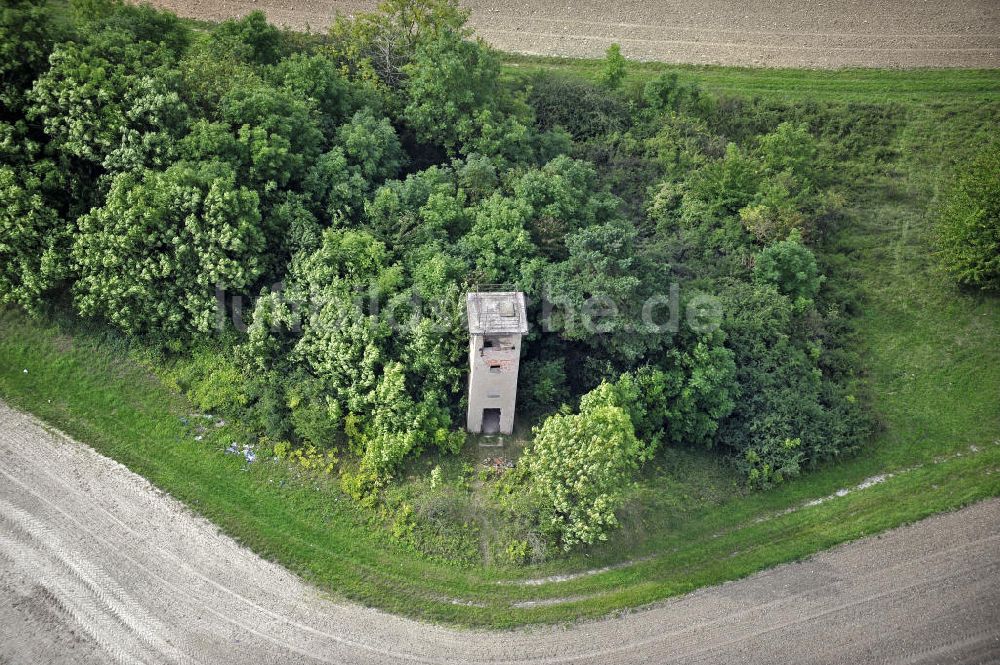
{"x": 969, "y": 222}
{"x": 27, "y": 34}
{"x": 791, "y": 266}
{"x": 315, "y": 417}
{"x": 95, "y": 94}
{"x": 680, "y": 401}
{"x": 518, "y": 551}
{"x": 34, "y": 242}
{"x": 770, "y": 464}
{"x": 212, "y": 381}
{"x": 580, "y": 463}
{"x": 790, "y": 148}
{"x": 581, "y": 108}
{"x": 774, "y": 212}
{"x": 783, "y": 395}
{"x": 362, "y": 485}
{"x": 614, "y": 67}
{"x": 665, "y": 93}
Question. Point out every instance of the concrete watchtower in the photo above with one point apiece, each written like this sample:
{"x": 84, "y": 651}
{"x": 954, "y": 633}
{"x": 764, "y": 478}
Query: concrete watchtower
{"x": 497, "y": 320}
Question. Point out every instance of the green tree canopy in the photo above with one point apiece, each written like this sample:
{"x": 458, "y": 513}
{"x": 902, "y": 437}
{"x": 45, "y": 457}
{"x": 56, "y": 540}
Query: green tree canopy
{"x": 448, "y": 81}
{"x": 251, "y": 38}
{"x": 96, "y": 95}
{"x": 377, "y": 46}
{"x": 318, "y": 80}
{"x": 150, "y": 258}
{"x": 371, "y": 146}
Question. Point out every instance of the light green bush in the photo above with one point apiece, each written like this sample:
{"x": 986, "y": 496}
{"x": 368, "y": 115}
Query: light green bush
{"x": 580, "y": 464}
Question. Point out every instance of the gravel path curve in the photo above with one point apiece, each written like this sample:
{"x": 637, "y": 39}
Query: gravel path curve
{"x": 97, "y": 566}
{"x": 768, "y": 33}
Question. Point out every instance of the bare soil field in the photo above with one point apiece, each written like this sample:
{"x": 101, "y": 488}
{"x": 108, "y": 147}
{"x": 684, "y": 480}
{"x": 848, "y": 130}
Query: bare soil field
{"x": 97, "y": 566}
{"x": 763, "y": 33}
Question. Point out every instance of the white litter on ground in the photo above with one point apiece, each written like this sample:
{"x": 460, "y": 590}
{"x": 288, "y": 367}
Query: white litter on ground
{"x": 246, "y": 451}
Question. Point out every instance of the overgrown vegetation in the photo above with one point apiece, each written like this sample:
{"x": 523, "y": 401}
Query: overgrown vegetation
{"x": 969, "y": 224}
{"x": 329, "y": 189}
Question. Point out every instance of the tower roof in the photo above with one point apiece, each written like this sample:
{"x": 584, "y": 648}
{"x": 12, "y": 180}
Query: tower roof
{"x": 492, "y": 312}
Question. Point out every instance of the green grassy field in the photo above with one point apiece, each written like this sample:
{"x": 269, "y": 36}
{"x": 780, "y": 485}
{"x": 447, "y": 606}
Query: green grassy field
{"x": 931, "y": 353}
{"x": 869, "y": 85}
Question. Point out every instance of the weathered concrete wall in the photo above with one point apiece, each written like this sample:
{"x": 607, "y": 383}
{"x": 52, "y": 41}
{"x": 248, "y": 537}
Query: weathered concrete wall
{"x": 496, "y": 389}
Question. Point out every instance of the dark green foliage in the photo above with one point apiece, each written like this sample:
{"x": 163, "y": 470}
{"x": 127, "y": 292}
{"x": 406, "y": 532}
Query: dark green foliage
{"x": 782, "y": 396}
{"x": 498, "y": 245}
{"x": 542, "y": 385}
{"x": 143, "y": 23}
{"x": 251, "y": 38}
{"x": 317, "y": 79}
{"x": 27, "y": 35}
{"x": 209, "y": 75}
{"x": 276, "y": 132}
{"x": 579, "y": 107}
{"x": 679, "y": 401}
{"x": 371, "y": 147}
{"x": 969, "y": 222}
{"x": 448, "y": 81}
{"x": 34, "y": 241}
{"x": 791, "y": 267}
{"x": 564, "y": 196}
{"x": 352, "y": 387}
{"x": 398, "y": 212}
{"x": 476, "y": 176}
{"x": 601, "y": 264}
{"x": 334, "y": 187}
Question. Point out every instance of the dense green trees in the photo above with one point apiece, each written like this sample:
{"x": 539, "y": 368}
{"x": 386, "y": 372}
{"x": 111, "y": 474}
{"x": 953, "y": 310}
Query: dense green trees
{"x": 94, "y": 94}
{"x": 150, "y": 258}
{"x": 345, "y": 192}
{"x": 449, "y": 80}
{"x": 782, "y": 394}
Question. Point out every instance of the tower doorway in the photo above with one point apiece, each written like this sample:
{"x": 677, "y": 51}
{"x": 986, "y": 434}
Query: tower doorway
{"x": 491, "y": 421}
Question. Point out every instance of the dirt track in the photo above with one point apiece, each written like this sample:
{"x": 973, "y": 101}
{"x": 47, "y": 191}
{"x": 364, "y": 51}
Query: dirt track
{"x": 848, "y": 33}
{"x": 97, "y": 566}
